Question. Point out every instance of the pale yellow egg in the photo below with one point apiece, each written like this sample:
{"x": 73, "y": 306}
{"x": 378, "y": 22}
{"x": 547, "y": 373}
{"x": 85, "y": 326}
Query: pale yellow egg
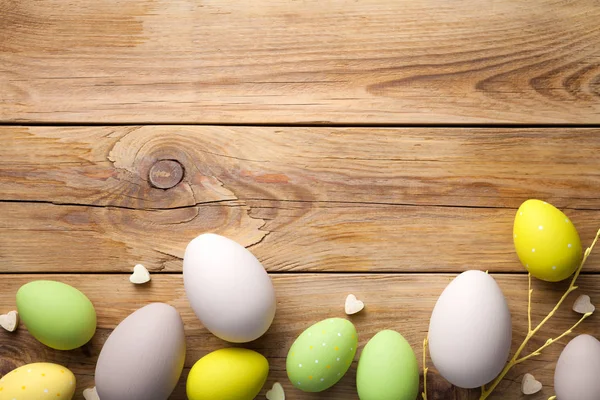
{"x": 38, "y": 381}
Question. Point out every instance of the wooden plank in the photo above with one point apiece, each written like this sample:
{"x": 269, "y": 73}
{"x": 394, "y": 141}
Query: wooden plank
{"x": 285, "y": 236}
{"x": 400, "y": 302}
{"x": 372, "y": 61}
{"x": 109, "y": 166}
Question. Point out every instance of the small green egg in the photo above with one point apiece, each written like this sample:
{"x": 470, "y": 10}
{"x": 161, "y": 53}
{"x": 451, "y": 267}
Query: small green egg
{"x": 387, "y": 369}
{"x": 322, "y": 354}
{"x": 56, "y": 314}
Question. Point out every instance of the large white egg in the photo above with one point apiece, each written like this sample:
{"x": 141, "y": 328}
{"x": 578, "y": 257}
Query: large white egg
{"x": 470, "y": 331}
{"x": 577, "y": 374}
{"x": 228, "y": 288}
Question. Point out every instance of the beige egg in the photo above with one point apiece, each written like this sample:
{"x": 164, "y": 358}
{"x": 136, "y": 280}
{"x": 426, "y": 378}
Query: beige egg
{"x": 143, "y": 357}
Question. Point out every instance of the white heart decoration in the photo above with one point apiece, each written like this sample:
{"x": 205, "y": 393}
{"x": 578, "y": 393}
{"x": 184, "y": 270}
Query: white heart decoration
{"x": 140, "y": 275}
{"x": 583, "y": 305}
{"x": 90, "y": 394}
{"x": 276, "y": 393}
{"x": 530, "y": 385}
{"x": 353, "y": 305}
{"x": 10, "y": 321}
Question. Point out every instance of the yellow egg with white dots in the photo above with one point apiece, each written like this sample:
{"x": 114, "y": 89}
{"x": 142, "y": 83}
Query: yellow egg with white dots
{"x": 546, "y": 241}
{"x": 38, "y": 381}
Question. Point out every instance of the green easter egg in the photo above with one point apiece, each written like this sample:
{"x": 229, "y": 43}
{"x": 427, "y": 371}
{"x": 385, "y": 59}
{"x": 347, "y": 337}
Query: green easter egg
{"x": 322, "y": 354}
{"x": 56, "y": 314}
{"x": 387, "y": 369}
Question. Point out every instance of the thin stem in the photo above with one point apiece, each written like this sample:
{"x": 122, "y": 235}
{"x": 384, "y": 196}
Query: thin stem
{"x": 550, "y": 341}
{"x": 531, "y": 333}
{"x": 425, "y": 369}
{"x": 529, "y": 304}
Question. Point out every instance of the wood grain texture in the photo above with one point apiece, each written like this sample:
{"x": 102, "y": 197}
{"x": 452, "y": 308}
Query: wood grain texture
{"x": 400, "y": 302}
{"x": 285, "y": 236}
{"x": 109, "y": 166}
{"x": 342, "y": 61}
{"x": 303, "y": 199}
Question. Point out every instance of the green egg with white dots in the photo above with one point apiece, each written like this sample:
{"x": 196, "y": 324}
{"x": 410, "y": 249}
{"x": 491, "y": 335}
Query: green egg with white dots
{"x": 322, "y": 354}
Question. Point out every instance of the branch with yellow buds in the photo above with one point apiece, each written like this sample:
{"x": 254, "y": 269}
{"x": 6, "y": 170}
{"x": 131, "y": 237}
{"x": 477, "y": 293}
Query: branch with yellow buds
{"x": 425, "y": 369}
{"x": 516, "y": 359}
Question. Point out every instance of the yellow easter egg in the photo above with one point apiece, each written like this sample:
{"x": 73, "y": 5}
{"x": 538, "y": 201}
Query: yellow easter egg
{"x": 227, "y": 374}
{"x": 546, "y": 241}
{"x": 38, "y": 381}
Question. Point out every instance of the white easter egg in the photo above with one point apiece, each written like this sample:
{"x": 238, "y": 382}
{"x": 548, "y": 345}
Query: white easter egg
{"x": 470, "y": 330}
{"x": 578, "y": 370}
{"x": 228, "y": 288}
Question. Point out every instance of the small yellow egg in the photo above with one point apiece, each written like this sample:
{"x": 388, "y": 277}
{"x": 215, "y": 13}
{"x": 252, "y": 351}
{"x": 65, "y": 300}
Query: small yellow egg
{"x": 38, "y": 381}
{"x": 227, "y": 374}
{"x": 546, "y": 241}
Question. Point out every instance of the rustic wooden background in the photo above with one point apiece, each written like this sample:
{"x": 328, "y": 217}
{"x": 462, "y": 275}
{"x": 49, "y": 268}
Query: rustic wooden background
{"x": 372, "y": 147}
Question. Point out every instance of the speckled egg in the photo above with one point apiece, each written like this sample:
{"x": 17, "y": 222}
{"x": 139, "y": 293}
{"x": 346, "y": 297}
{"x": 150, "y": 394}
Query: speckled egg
{"x": 470, "y": 330}
{"x": 38, "y": 381}
{"x": 578, "y": 370}
{"x": 546, "y": 241}
{"x": 322, "y": 354}
{"x": 56, "y": 314}
{"x": 387, "y": 369}
{"x": 227, "y": 374}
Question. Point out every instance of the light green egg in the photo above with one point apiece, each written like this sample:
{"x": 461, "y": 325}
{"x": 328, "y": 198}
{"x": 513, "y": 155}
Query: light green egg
{"x": 322, "y": 354}
{"x": 56, "y": 314}
{"x": 387, "y": 369}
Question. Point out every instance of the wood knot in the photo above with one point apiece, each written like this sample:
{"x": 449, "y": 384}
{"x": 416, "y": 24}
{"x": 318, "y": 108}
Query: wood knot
{"x": 165, "y": 174}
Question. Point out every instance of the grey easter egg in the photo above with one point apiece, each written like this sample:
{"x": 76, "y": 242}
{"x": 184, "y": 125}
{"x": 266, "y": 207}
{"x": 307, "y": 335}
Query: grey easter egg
{"x": 143, "y": 358}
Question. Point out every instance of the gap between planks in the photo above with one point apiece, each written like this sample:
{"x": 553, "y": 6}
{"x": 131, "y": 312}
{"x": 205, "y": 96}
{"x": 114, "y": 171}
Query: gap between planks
{"x": 448, "y": 274}
{"x": 235, "y": 203}
{"x": 316, "y": 124}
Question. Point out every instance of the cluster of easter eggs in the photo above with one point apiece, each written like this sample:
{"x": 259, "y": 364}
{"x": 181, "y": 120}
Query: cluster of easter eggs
{"x": 470, "y": 331}
{"x": 323, "y": 353}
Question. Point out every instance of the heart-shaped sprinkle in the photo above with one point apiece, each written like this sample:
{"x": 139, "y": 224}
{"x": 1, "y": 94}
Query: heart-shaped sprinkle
{"x": 353, "y": 305}
{"x": 583, "y": 305}
{"x": 90, "y": 394}
{"x": 529, "y": 385}
{"x": 276, "y": 393}
{"x": 10, "y": 321}
{"x": 140, "y": 275}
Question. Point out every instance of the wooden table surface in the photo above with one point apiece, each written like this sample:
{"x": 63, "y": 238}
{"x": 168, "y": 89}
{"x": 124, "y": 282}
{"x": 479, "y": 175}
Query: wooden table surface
{"x": 373, "y": 147}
